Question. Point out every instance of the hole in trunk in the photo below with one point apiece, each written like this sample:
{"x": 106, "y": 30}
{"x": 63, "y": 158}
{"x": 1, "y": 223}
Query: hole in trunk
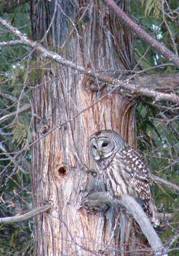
{"x": 62, "y": 171}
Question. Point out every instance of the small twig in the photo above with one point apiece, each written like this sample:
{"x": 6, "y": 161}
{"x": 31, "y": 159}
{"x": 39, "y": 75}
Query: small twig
{"x": 25, "y": 216}
{"x": 161, "y": 48}
{"x": 163, "y": 217}
{"x": 165, "y": 182}
{"x": 24, "y": 168}
{"x": 168, "y": 28}
{"x": 173, "y": 240}
{"x": 5, "y": 133}
{"x": 8, "y": 96}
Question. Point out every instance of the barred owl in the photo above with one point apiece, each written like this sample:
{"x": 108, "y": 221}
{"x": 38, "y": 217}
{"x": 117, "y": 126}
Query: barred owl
{"x": 123, "y": 169}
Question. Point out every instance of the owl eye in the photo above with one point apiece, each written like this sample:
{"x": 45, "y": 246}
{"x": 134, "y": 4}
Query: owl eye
{"x": 94, "y": 147}
{"x": 105, "y": 144}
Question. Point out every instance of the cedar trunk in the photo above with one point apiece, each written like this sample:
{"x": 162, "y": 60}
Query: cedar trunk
{"x": 67, "y": 111}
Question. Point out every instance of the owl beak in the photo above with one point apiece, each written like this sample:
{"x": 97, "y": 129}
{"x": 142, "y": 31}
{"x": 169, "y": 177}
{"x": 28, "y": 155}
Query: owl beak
{"x": 100, "y": 154}
{"x": 97, "y": 157}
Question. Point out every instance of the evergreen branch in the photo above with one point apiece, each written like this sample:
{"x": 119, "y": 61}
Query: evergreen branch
{"x": 25, "y": 216}
{"x": 140, "y": 32}
{"x": 9, "y": 5}
{"x": 116, "y": 84}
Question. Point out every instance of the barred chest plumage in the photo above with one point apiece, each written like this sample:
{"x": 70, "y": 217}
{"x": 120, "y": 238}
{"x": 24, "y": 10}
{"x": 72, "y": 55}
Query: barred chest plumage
{"x": 118, "y": 180}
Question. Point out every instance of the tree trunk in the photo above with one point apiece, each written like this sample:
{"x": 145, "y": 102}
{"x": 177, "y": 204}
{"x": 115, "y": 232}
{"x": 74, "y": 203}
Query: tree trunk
{"x": 67, "y": 113}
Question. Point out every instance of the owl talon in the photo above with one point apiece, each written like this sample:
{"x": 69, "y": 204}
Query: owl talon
{"x": 92, "y": 172}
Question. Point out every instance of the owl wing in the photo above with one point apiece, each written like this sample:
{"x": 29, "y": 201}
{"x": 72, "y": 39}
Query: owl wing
{"x": 139, "y": 172}
{"x": 135, "y": 165}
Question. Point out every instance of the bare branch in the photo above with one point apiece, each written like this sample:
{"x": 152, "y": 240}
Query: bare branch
{"x": 20, "y": 110}
{"x": 10, "y": 43}
{"x": 116, "y": 84}
{"x": 103, "y": 199}
{"x": 140, "y": 217}
{"x": 26, "y": 216}
{"x": 165, "y": 183}
{"x": 161, "y": 48}
{"x": 156, "y": 95}
{"x": 161, "y": 82}
{"x": 8, "y": 96}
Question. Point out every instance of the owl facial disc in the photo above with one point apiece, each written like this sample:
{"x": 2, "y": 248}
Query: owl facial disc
{"x": 101, "y": 147}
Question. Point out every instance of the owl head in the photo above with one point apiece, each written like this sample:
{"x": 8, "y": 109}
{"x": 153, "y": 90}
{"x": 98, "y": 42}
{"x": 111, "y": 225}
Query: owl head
{"x": 104, "y": 144}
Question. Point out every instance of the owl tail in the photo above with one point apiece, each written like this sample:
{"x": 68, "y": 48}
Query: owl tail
{"x": 150, "y": 209}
